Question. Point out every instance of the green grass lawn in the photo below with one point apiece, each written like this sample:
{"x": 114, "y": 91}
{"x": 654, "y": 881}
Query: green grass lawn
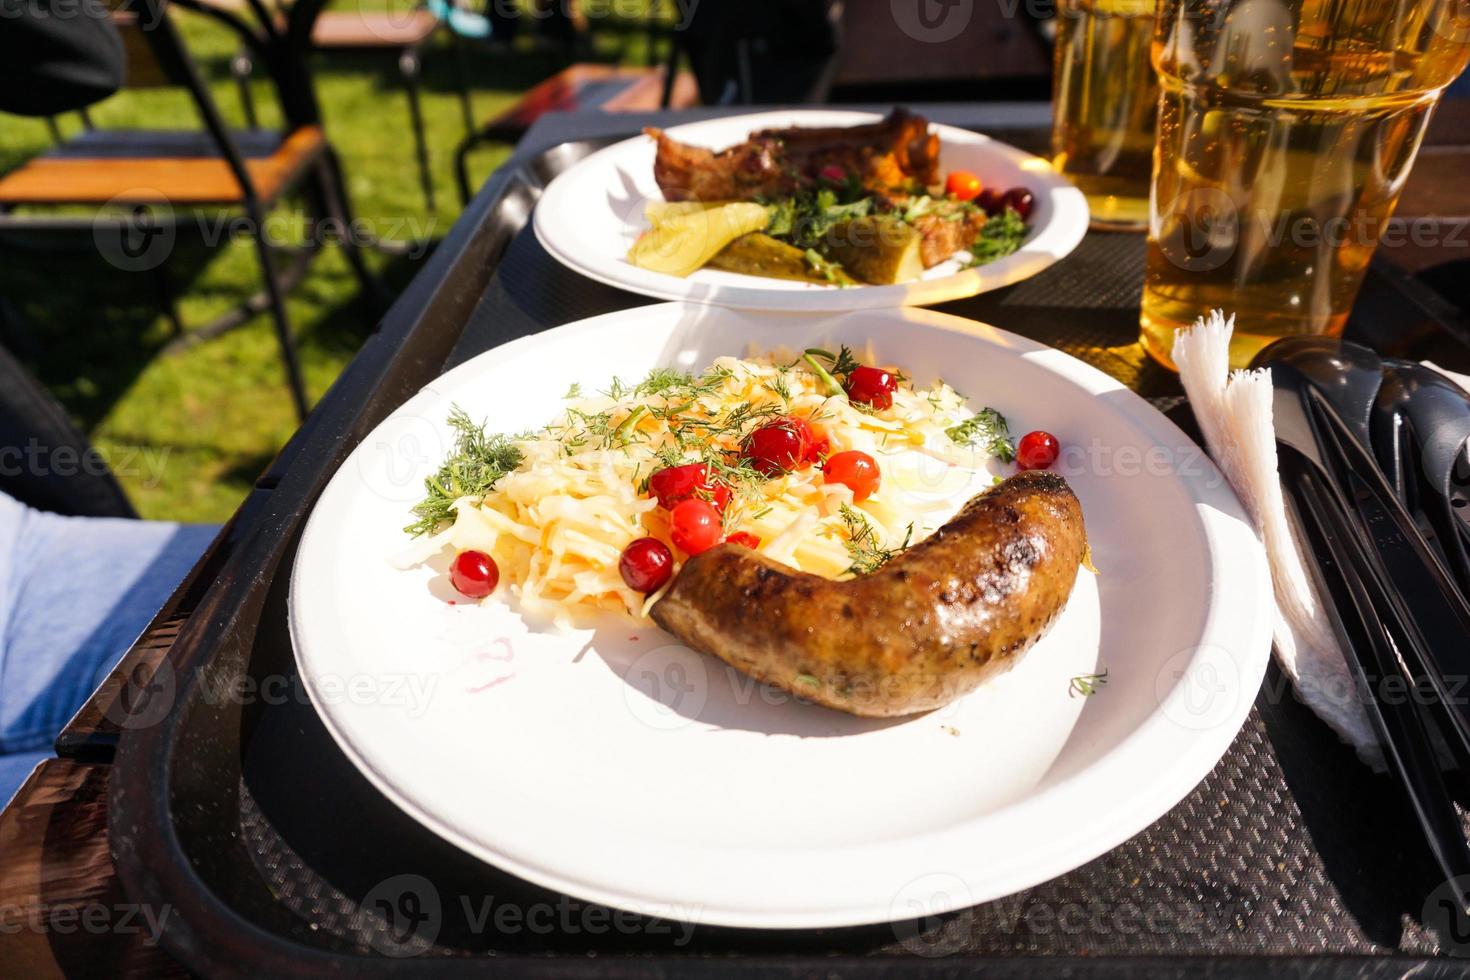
{"x": 189, "y": 432}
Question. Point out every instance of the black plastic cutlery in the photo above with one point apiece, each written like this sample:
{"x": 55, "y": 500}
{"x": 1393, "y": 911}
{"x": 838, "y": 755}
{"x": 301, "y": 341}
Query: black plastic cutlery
{"x": 1392, "y": 602}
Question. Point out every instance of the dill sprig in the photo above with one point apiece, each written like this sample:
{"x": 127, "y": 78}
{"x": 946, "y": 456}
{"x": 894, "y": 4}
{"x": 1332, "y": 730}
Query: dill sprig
{"x": 662, "y": 381}
{"x": 986, "y": 430}
{"x": 475, "y": 465}
{"x": 1086, "y": 685}
{"x": 863, "y": 547}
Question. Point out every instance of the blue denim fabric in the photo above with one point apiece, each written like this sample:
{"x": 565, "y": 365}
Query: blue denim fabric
{"x": 74, "y": 594}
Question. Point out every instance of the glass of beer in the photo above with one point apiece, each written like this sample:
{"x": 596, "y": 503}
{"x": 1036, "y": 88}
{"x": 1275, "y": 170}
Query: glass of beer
{"x": 1286, "y": 131}
{"x": 1105, "y": 101}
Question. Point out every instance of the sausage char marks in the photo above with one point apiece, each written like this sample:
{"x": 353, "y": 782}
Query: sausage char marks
{"x": 929, "y": 626}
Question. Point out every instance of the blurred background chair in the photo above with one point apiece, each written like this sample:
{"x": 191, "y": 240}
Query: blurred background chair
{"x": 609, "y": 88}
{"x": 139, "y": 177}
{"x": 768, "y": 53}
{"x": 937, "y": 51}
{"x": 397, "y": 33}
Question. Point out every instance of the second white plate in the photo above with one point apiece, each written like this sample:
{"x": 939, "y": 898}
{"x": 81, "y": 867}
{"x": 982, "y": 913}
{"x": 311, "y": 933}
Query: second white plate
{"x": 590, "y": 216}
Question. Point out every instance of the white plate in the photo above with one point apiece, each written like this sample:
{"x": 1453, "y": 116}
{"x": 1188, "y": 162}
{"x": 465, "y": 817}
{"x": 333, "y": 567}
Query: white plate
{"x": 622, "y": 768}
{"x": 591, "y": 214}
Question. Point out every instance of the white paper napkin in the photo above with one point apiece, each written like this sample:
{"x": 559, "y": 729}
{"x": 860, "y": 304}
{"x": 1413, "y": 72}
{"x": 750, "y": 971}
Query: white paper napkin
{"x": 1234, "y": 414}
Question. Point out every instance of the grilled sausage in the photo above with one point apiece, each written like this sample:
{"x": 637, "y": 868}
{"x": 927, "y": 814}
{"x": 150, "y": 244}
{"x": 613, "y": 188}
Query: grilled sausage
{"x": 926, "y": 628}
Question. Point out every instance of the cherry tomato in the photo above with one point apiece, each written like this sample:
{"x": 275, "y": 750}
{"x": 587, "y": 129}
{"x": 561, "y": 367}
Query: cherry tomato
{"x": 988, "y": 201}
{"x": 833, "y": 173}
{"x": 745, "y": 539}
{"x": 779, "y": 446}
{"x": 673, "y": 484}
{"x": 871, "y": 386}
{"x": 962, "y": 185}
{"x": 695, "y": 526}
{"x": 646, "y": 565}
{"x": 474, "y": 574}
{"x": 1037, "y": 450}
{"x": 857, "y": 470}
{"x": 1020, "y": 200}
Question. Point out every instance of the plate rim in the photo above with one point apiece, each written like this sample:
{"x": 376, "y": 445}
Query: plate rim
{"x": 1069, "y": 225}
{"x": 1215, "y": 504}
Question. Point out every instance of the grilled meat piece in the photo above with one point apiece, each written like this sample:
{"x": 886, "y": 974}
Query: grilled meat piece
{"x": 897, "y": 154}
{"x": 944, "y": 236}
{"x": 926, "y": 628}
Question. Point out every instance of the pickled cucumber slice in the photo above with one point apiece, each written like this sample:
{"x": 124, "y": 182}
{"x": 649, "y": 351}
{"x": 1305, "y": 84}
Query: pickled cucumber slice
{"x": 878, "y": 249}
{"x": 686, "y": 242}
{"x": 657, "y": 212}
{"x": 759, "y": 254}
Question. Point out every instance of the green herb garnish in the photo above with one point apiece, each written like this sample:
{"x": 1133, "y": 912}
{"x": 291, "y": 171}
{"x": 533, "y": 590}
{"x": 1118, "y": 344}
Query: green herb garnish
{"x": 986, "y": 430}
{"x": 1000, "y": 236}
{"x": 476, "y": 464}
{"x": 862, "y": 542}
{"x": 805, "y": 219}
{"x": 1086, "y": 685}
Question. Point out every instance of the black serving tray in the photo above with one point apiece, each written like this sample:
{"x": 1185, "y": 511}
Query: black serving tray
{"x": 232, "y": 807}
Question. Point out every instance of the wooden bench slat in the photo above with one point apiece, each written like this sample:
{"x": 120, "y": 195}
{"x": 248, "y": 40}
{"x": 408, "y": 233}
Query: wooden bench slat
{"x": 59, "y": 180}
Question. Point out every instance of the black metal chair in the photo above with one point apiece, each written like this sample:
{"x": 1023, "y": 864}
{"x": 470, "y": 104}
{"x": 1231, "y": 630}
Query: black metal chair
{"x": 773, "y": 53}
{"x": 399, "y": 34}
{"x": 143, "y": 176}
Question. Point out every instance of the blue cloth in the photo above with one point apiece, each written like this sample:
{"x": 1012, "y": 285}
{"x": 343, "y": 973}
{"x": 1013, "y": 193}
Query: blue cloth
{"x": 75, "y": 592}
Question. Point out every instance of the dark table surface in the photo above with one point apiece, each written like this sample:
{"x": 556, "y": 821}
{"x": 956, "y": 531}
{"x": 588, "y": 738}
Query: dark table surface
{"x": 53, "y": 843}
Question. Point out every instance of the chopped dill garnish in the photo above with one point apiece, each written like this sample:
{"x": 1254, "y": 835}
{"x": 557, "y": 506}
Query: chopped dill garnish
{"x": 475, "y": 465}
{"x": 661, "y": 381}
{"x": 1086, "y": 685}
{"x": 986, "y": 430}
{"x": 671, "y": 456}
{"x": 575, "y": 391}
{"x": 781, "y": 388}
{"x": 862, "y": 542}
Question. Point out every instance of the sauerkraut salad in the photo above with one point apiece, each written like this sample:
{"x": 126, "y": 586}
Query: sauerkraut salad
{"x": 823, "y": 461}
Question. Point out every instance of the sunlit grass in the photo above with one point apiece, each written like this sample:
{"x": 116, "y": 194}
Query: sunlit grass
{"x": 191, "y": 431}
